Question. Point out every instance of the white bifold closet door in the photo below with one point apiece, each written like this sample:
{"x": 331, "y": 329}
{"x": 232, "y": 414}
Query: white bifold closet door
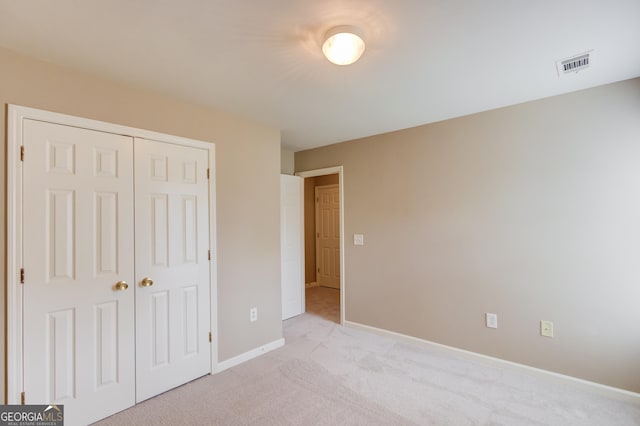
{"x": 172, "y": 268}
{"x": 116, "y": 293}
{"x": 78, "y": 233}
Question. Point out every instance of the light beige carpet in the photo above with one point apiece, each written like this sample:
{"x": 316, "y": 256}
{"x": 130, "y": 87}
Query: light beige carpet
{"x": 330, "y": 375}
{"x": 297, "y": 392}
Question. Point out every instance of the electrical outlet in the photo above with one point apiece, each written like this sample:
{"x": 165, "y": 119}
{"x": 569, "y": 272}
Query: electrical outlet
{"x": 253, "y": 314}
{"x": 492, "y": 320}
{"x": 546, "y": 328}
{"x": 358, "y": 239}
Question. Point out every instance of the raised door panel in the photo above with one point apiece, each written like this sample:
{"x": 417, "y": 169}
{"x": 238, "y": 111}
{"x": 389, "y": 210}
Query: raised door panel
{"x": 61, "y": 355}
{"x": 106, "y": 332}
{"x": 106, "y": 233}
{"x": 159, "y": 241}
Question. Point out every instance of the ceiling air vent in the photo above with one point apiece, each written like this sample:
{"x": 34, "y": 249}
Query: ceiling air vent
{"x": 574, "y": 64}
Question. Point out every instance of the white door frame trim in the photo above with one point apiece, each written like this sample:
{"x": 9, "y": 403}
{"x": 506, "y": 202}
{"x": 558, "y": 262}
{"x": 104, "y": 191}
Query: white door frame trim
{"x": 15, "y": 117}
{"x": 340, "y": 171}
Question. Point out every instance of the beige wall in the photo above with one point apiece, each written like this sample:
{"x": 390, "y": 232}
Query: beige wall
{"x": 310, "y": 222}
{"x": 286, "y": 161}
{"x": 248, "y": 186}
{"x": 531, "y": 212}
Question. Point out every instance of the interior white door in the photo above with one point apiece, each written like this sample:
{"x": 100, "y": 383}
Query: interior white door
{"x": 291, "y": 245}
{"x": 78, "y": 327}
{"x": 328, "y": 235}
{"x": 172, "y": 266}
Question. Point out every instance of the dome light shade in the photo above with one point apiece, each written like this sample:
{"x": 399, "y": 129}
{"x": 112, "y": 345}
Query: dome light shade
{"x": 343, "y": 45}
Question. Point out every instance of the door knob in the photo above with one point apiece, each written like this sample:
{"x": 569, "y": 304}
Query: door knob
{"x": 146, "y": 282}
{"x": 121, "y": 285}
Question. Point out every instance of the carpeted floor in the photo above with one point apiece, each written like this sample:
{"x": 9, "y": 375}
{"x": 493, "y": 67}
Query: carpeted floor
{"x": 330, "y": 375}
{"x": 293, "y": 392}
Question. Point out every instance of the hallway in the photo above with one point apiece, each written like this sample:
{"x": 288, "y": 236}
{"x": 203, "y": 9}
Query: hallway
{"x": 323, "y": 302}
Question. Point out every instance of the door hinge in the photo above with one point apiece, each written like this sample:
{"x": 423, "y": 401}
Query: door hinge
{"x": 21, "y": 275}
{"x": 210, "y": 337}
{"x": 207, "y": 173}
{"x": 23, "y": 398}
{"x": 318, "y": 270}
{"x": 209, "y": 254}
{"x": 21, "y": 152}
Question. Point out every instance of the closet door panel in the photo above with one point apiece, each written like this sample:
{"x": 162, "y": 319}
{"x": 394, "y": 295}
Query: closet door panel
{"x": 172, "y": 267}
{"x": 78, "y": 326}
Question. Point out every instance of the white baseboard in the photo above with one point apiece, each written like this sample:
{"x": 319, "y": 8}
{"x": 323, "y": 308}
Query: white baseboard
{"x": 609, "y": 391}
{"x": 309, "y": 285}
{"x": 249, "y": 355}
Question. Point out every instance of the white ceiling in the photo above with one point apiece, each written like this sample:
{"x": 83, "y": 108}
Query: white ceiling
{"x": 426, "y": 60}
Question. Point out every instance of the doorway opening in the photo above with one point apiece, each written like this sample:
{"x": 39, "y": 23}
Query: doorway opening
{"x": 324, "y": 243}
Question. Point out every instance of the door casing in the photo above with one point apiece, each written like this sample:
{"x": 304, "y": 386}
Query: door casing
{"x": 340, "y": 172}
{"x": 15, "y": 117}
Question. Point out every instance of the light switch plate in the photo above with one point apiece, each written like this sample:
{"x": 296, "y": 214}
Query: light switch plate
{"x": 358, "y": 239}
{"x": 546, "y": 328}
{"x": 492, "y": 320}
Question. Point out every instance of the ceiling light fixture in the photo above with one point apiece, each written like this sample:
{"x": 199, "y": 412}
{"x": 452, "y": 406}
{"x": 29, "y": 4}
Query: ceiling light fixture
{"x": 343, "y": 45}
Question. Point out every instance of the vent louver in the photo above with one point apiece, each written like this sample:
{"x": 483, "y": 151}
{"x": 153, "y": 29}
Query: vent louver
{"x": 574, "y": 64}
